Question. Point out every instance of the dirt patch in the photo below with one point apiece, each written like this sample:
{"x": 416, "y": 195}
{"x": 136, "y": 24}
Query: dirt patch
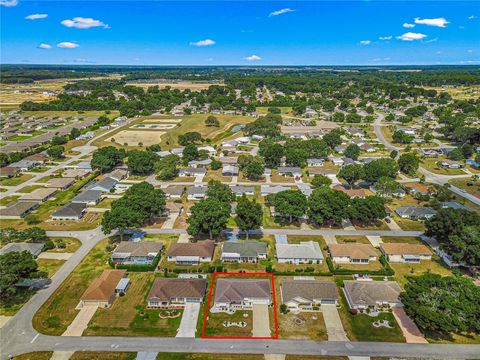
{"x": 136, "y": 137}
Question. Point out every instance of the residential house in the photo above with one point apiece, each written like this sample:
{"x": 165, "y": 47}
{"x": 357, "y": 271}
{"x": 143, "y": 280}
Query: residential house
{"x": 362, "y": 294}
{"x": 367, "y": 147}
{"x": 104, "y": 185}
{"x": 244, "y": 251}
{"x": 352, "y": 253}
{"x": 88, "y": 197}
{"x": 25, "y": 165}
{"x": 415, "y": 212}
{"x": 41, "y": 158}
{"x": 196, "y": 192}
{"x": 60, "y": 183}
{"x": 417, "y": 188}
{"x": 405, "y": 253}
{"x": 353, "y": 193}
{"x": 449, "y": 164}
{"x": 176, "y": 292}
{"x": 339, "y": 149}
{"x": 308, "y": 295}
{"x": 241, "y": 293}
{"x": 33, "y": 248}
{"x": 230, "y": 170}
{"x": 199, "y": 163}
{"x": 76, "y": 173}
{"x": 453, "y": 205}
{"x": 337, "y": 161}
{"x": 136, "y": 253}
{"x": 290, "y": 171}
{"x": 228, "y": 160}
{"x": 118, "y": 174}
{"x": 239, "y": 190}
{"x": 101, "y": 291}
{"x": 71, "y": 211}
{"x": 39, "y": 195}
{"x": 313, "y": 162}
{"x": 267, "y": 189}
{"x": 188, "y": 172}
{"x": 174, "y": 191}
{"x": 306, "y": 252}
{"x": 347, "y": 161}
{"x": 8, "y": 172}
{"x": 18, "y": 209}
{"x": 191, "y": 253}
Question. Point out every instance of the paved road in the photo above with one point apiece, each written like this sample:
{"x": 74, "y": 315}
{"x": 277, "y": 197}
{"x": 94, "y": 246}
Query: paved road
{"x": 377, "y": 127}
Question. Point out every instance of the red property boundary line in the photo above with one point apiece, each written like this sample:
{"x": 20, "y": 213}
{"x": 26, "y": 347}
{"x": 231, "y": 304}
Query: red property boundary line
{"x": 275, "y": 320}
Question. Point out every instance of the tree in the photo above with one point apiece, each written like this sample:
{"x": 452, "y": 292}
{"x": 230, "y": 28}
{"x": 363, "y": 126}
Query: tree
{"x": 189, "y": 138}
{"x": 376, "y": 169}
{"x": 103, "y": 120}
{"x": 290, "y": 204}
{"x": 386, "y": 186}
{"x": 457, "y": 231}
{"x": 15, "y": 266}
{"x": 249, "y": 214}
{"x": 59, "y": 140}
{"x": 212, "y": 121}
{"x": 351, "y": 173}
{"x": 401, "y": 138}
{"x": 33, "y": 234}
{"x": 215, "y": 164}
{"x": 4, "y": 159}
{"x": 442, "y": 304}
{"x": 456, "y": 154}
{"x": 221, "y": 192}
{"x": 327, "y": 205}
{"x": 321, "y": 180}
{"x": 142, "y": 162}
{"x": 209, "y": 216}
{"x": 393, "y": 154}
{"x": 106, "y": 158}
{"x": 333, "y": 138}
{"x": 56, "y": 151}
{"x": 352, "y": 151}
{"x": 74, "y": 133}
{"x": 243, "y": 160}
{"x": 408, "y": 163}
{"x": 296, "y": 157}
{"x": 190, "y": 152}
{"x": 166, "y": 168}
{"x": 272, "y": 154}
{"x": 254, "y": 170}
{"x": 367, "y": 210}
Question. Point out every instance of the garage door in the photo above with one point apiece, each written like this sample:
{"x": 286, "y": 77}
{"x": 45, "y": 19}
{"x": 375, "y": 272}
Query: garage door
{"x": 332, "y": 302}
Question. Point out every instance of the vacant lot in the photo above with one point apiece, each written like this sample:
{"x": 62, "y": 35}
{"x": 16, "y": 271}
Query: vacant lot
{"x": 49, "y": 266}
{"x": 59, "y": 311}
{"x": 215, "y": 324}
{"x": 16, "y": 180}
{"x": 308, "y": 325}
{"x": 87, "y": 355}
{"x": 467, "y": 184}
{"x": 136, "y": 137}
{"x": 434, "y": 266}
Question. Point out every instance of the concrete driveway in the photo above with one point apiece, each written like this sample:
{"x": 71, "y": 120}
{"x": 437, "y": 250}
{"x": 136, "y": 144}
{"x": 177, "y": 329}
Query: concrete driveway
{"x": 168, "y": 224}
{"x": 333, "y": 323}
{"x": 410, "y": 330}
{"x": 80, "y": 323}
{"x": 188, "y": 324}
{"x": 261, "y": 323}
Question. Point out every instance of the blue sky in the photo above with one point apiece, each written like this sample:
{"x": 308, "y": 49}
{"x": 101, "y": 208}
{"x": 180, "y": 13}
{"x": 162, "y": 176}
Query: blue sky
{"x": 358, "y": 32}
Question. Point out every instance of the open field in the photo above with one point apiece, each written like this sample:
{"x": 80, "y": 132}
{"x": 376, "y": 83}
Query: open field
{"x": 59, "y": 311}
{"x": 306, "y": 325}
{"x": 86, "y": 355}
{"x": 137, "y": 137}
{"x": 194, "y": 86}
{"x": 196, "y": 123}
{"x": 40, "y": 355}
{"x": 434, "y": 266}
{"x": 459, "y": 92}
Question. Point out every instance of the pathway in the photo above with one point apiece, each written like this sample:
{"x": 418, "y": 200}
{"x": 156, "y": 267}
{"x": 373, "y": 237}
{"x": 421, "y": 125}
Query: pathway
{"x": 261, "y": 323}
{"x": 80, "y": 323}
{"x": 188, "y": 324}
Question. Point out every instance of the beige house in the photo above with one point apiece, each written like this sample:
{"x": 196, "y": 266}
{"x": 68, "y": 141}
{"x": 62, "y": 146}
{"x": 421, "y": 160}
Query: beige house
{"x": 39, "y": 195}
{"x": 101, "y": 291}
{"x": 352, "y": 253}
{"x": 405, "y": 253}
{"x": 308, "y": 295}
{"x": 372, "y": 294}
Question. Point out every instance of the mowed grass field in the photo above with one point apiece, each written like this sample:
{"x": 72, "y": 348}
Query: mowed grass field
{"x": 194, "y": 86}
{"x": 196, "y": 122}
{"x": 59, "y": 311}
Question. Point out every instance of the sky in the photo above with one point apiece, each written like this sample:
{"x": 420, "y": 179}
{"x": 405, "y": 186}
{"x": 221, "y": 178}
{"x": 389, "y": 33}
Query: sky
{"x": 360, "y": 32}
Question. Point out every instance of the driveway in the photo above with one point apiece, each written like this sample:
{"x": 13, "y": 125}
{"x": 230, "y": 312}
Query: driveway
{"x": 80, "y": 323}
{"x": 261, "y": 323}
{"x": 168, "y": 224}
{"x": 375, "y": 240}
{"x": 188, "y": 324}
{"x": 333, "y": 323}
{"x": 410, "y": 330}
{"x": 143, "y": 355}
{"x": 330, "y": 239}
{"x": 392, "y": 225}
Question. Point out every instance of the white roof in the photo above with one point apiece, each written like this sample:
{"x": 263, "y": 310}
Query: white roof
{"x": 303, "y": 250}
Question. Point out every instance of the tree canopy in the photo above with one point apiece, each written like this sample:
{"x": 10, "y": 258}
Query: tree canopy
{"x": 209, "y": 216}
{"x": 106, "y": 158}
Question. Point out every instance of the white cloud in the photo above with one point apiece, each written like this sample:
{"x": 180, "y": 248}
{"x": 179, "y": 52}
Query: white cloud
{"x": 365, "y": 42}
{"x": 253, "y": 58}
{"x": 385, "y": 38}
{"x": 408, "y": 25}
{"x": 36, "y": 16}
{"x": 67, "y": 45}
{"x": 471, "y": 17}
{"x": 281, "y": 11}
{"x": 206, "y": 42}
{"x": 438, "y": 22}
{"x": 469, "y": 50}
{"x": 9, "y": 3}
{"x": 432, "y": 40}
{"x": 83, "y": 23}
{"x": 410, "y": 36}
{"x": 44, "y": 46}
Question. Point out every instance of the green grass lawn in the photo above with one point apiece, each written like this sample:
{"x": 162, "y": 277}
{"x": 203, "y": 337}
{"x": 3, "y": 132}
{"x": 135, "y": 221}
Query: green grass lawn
{"x": 16, "y": 180}
{"x": 187, "y": 356}
{"x": 59, "y": 311}
{"x": 431, "y": 165}
{"x": 39, "y": 169}
{"x": 409, "y": 225}
{"x": 12, "y": 304}
{"x": 39, "y": 355}
{"x": 215, "y": 324}
{"x": 401, "y": 239}
{"x": 71, "y": 245}
{"x": 30, "y": 188}
{"x": 104, "y": 355}
{"x": 435, "y": 266}
{"x": 49, "y": 266}
{"x": 8, "y": 199}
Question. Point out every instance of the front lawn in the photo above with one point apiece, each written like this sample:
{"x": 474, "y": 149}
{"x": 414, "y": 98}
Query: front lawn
{"x": 50, "y": 266}
{"x": 215, "y": 324}
{"x": 4, "y": 201}
{"x": 408, "y": 225}
{"x": 16, "y": 180}
{"x": 308, "y": 325}
{"x": 71, "y": 245}
{"x": 348, "y": 239}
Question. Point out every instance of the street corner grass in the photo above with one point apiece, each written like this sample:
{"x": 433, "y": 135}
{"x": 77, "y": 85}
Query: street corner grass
{"x": 29, "y": 189}
{"x": 59, "y": 311}
{"x": 9, "y": 199}
{"x": 39, "y": 355}
{"x": 189, "y": 356}
{"x": 71, "y": 244}
{"x": 128, "y": 316}
{"x": 306, "y": 325}
{"x": 378, "y": 225}
{"x": 9, "y": 306}
{"x": 215, "y": 324}
{"x": 452, "y": 338}
{"x": 409, "y": 225}
{"x": 49, "y": 266}
{"x": 87, "y": 355}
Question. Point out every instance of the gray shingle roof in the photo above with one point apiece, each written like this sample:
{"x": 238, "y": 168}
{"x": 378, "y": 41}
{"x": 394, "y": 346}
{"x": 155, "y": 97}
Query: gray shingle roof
{"x": 368, "y": 293}
{"x": 235, "y": 290}
{"x": 245, "y": 248}
{"x": 70, "y": 210}
{"x": 139, "y": 248}
{"x": 33, "y": 248}
{"x": 308, "y": 290}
